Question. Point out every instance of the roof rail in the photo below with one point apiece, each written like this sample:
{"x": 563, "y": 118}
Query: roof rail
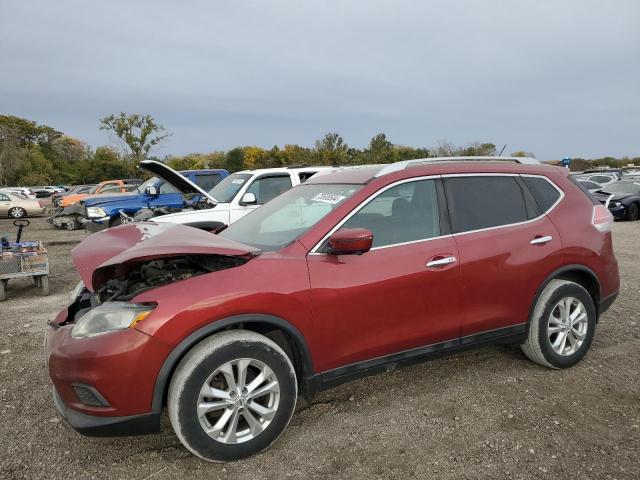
{"x": 397, "y": 166}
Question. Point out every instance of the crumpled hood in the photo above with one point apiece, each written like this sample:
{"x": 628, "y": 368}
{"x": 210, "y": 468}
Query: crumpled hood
{"x": 146, "y": 241}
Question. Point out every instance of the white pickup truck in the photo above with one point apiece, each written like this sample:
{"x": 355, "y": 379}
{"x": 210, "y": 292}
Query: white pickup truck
{"x": 242, "y": 192}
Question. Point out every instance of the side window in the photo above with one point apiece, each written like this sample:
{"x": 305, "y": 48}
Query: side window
{"x": 404, "y": 213}
{"x": 267, "y": 188}
{"x": 304, "y": 176}
{"x": 167, "y": 188}
{"x": 477, "y": 202}
{"x": 544, "y": 193}
{"x": 207, "y": 181}
{"x": 111, "y": 187}
{"x": 3, "y": 198}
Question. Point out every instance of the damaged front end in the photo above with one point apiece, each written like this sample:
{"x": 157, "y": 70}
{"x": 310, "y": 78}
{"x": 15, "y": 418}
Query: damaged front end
{"x": 69, "y": 218}
{"x": 131, "y": 280}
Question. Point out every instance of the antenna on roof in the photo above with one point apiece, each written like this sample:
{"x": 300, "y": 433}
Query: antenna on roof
{"x": 501, "y": 151}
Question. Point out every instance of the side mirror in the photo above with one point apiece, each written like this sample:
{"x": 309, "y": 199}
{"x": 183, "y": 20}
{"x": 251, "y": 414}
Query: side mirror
{"x": 151, "y": 190}
{"x": 248, "y": 199}
{"x": 351, "y": 241}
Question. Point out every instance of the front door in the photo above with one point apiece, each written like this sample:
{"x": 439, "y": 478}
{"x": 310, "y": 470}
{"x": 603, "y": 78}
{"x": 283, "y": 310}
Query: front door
{"x": 402, "y": 294}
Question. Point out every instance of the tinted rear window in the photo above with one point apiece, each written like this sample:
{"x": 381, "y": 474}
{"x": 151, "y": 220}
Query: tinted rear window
{"x": 544, "y": 193}
{"x": 477, "y": 202}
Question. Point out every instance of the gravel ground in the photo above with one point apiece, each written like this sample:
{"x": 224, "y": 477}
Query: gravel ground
{"x": 489, "y": 413}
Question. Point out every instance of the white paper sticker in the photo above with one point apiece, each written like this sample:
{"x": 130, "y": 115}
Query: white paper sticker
{"x": 237, "y": 181}
{"x": 331, "y": 198}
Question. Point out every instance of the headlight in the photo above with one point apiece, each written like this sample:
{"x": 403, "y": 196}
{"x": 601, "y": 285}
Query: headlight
{"x": 75, "y": 293}
{"x": 617, "y": 204}
{"x": 109, "y": 317}
{"x": 95, "y": 212}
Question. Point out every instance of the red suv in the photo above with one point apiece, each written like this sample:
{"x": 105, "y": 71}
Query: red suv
{"x": 348, "y": 274}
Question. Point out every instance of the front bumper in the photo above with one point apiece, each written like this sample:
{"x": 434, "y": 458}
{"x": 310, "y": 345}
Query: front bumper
{"x": 121, "y": 367}
{"x": 97, "y": 225}
{"x": 92, "y": 426}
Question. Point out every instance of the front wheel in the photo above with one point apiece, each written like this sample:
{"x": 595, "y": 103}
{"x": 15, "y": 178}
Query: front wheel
{"x": 17, "y": 212}
{"x": 562, "y": 325}
{"x": 633, "y": 212}
{"x": 232, "y": 396}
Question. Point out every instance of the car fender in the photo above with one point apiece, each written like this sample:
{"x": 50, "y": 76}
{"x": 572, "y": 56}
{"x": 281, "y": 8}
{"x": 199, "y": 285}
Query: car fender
{"x": 172, "y": 360}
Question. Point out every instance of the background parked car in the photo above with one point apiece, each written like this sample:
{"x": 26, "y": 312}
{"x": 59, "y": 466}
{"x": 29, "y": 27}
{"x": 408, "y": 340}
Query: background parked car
{"x": 591, "y": 186}
{"x": 78, "y": 189}
{"x": 624, "y": 198}
{"x": 168, "y": 190}
{"x": 24, "y": 191}
{"x": 15, "y": 205}
{"x": 602, "y": 179}
{"x": 241, "y": 193}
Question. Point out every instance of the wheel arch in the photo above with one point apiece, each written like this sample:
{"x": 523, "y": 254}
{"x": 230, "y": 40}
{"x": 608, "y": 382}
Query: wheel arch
{"x": 286, "y": 335}
{"x": 580, "y": 274}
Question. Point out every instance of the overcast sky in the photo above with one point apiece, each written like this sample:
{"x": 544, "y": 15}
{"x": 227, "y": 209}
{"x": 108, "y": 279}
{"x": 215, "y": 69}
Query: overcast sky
{"x": 558, "y": 78}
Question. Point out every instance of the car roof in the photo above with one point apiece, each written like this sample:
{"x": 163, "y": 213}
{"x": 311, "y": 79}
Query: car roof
{"x": 309, "y": 168}
{"x": 365, "y": 174}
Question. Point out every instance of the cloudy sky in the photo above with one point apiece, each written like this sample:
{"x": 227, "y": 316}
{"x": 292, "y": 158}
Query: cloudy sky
{"x": 558, "y": 78}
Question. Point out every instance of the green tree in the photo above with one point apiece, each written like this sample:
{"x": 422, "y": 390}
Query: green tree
{"x": 380, "y": 150}
{"x": 234, "y": 160}
{"x": 137, "y": 134}
{"x": 331, "y": 150}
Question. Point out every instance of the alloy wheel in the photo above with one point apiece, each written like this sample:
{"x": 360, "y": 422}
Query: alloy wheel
{"x": 238, "y": 401}
{"x": 567, "y": 326}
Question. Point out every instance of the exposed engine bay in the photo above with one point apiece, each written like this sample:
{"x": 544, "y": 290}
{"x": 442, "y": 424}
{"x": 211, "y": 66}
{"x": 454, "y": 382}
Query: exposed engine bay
{"x": 123, "y": 286}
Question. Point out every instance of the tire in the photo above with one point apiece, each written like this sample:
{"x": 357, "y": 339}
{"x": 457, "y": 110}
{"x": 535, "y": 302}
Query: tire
{"x": 633, "y": 212}
{"x": 115, "y": 222}
{"x": 3, "y": 290}
{"x": 545, "y": 347}
{"x": 195, "y": 372}
{"x": 17, "y": 212}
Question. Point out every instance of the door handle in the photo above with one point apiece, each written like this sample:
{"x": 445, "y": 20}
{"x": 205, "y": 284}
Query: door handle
{"x": 541, "y": 240}
{"x": 441, "y": 261}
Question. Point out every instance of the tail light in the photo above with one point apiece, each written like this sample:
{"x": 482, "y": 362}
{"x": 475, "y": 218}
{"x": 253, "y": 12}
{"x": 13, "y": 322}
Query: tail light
{"x": 602, "y": 219}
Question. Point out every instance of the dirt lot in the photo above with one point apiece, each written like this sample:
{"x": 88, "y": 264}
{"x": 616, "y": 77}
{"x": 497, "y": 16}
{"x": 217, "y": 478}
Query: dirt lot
{"x": 489, "y": 413}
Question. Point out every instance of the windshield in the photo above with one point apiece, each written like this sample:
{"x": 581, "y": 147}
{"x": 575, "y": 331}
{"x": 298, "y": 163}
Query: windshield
{"x": 143, "y": 186}
{"x": 283, "y": 219}
{"x": 228, "y": 188}
{"x": 623, "y": 187}
{"x": 93, "y": 189}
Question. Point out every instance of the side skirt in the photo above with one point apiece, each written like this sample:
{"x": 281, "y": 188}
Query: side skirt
{"x": 387, "y": 363}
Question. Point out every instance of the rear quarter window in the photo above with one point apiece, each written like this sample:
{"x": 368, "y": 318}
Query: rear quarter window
{"x": 543, "y": 192}
{"x": 477, "y": 202}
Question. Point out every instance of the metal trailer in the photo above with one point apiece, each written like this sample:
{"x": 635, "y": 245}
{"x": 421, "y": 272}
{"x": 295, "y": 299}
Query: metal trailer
{"x": 23, "y": 259}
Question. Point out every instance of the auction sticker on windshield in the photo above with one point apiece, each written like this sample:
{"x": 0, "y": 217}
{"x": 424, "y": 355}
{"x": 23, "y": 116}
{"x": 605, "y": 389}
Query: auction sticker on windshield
{"x": 331, "y": 198}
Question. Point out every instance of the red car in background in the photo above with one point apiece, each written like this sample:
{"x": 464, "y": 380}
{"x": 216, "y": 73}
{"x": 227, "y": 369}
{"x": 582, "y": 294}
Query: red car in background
{"x": 349, "y": 274}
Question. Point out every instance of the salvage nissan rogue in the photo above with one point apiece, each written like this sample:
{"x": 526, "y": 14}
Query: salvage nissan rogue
{"x": 352, "y": 273}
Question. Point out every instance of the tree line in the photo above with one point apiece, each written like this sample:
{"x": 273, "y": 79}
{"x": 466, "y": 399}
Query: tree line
{"x": 37, "y": 154}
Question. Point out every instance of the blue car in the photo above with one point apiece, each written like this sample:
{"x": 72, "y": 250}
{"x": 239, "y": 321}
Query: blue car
{"x": 167, "y": 189}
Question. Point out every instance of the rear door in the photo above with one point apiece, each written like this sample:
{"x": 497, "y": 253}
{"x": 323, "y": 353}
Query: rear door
{"x": 504, "y": 240}
{"x": 402, "y": 294}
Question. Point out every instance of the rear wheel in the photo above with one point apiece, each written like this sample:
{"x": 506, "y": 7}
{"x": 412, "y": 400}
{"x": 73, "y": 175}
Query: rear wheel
{"x": 3, "y": 290}
{"x": 232, "y": 396}
{"x": 633, "y": 212}
{"x": 17, "y": 212}
{"x": 562, "y": 325}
